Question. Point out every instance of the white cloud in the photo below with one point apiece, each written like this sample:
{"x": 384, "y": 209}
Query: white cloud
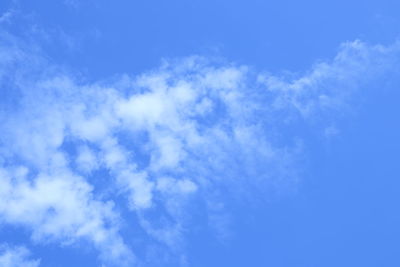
{"x": 86, "y": 160}
{"x": 329, "y": 85}
{"x": 59, "y": 206}
{"x": 187, "y": 127}
{"x": 16, "y": 257}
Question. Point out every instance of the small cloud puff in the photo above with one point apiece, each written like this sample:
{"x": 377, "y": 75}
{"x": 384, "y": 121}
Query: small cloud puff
{"x": 16, "y": 257}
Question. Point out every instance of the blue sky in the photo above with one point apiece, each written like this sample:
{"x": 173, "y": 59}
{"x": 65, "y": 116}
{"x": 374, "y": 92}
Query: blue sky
{"x": 199, "y": 133}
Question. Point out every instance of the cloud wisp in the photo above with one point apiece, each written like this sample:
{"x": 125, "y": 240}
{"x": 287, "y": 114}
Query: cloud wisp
{"x": 16, "y": 256}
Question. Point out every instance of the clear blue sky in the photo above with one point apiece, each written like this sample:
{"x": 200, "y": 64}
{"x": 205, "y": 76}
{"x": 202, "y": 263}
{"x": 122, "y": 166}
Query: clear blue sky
{"x": 199, "y": 133}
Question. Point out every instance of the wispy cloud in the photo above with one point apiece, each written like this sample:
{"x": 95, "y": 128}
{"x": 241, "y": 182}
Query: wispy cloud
{"x": 16, "y": 257}
{"x": 187, "y": 129}
{"x": 6, "y": 16}
{"x": 327, "y": 86}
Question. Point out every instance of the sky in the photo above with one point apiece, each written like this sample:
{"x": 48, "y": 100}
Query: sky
{"x": 199, "y": 133}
